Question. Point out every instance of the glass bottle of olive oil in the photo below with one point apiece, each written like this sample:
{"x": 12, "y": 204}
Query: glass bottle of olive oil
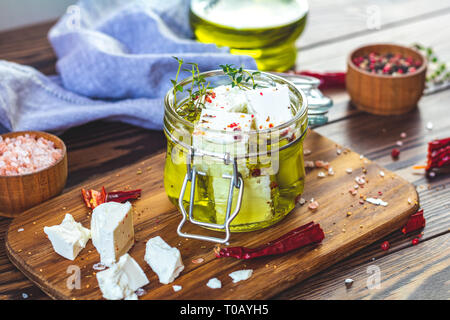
{"x": 263, "y": 29}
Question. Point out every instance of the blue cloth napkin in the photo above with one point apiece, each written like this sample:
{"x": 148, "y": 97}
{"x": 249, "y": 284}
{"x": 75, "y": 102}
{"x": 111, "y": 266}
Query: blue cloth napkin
{"x": 115, "y": 62}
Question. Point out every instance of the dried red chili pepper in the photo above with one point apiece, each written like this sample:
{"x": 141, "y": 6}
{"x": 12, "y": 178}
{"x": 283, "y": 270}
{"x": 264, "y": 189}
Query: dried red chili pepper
{"x": 294, "y": 239}
{"x": 438, "y": 157}
{"x": 122, "y": 196}
{"x": 415, "y": 222}
{"x": 93, "y": 198}
{"x": 86, "y": 197}
{"x": 327, "y": 79}
{"x": 438, "y": 154}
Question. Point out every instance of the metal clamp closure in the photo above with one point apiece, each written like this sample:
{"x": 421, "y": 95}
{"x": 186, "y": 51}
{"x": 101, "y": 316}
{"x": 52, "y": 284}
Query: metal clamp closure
{"x": 191, "y": 175}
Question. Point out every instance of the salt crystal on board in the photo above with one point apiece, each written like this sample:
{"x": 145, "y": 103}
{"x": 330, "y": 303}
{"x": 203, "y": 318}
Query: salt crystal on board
{"x": 348, "y": 283}
{"x": 377, "y": 202}
{"x": 177, "y": 288}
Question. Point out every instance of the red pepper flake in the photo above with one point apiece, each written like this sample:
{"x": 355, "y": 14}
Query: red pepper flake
{"x": 292, "y": 138}
{"x": 415, "y": 241}
{"x": 261, "y": 93}
{"x": 322, "y": 164}
{"x": 385, "y": 246}
{"x": 307, "y": 234}
{"x": 256, "y": 172}
{"x": 270, "y": 125}
{"x": 415, "y": 222}
{"x": 395, "y": 153}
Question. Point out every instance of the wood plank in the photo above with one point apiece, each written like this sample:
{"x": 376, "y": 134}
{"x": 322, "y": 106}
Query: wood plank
{"x": 351, "y": 18}
{"x": 31, "y": 251}
{"x": 29, "y": 46}
{"x": 414, "y": 273}
{"x": 333, "y": 56}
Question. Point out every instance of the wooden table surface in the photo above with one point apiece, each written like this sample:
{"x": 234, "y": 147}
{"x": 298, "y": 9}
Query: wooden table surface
{"x": 334, "y": 29}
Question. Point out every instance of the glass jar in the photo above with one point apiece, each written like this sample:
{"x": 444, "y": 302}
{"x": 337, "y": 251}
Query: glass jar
{"x": 242, "y": 181}
{"x": 263, "y": 29}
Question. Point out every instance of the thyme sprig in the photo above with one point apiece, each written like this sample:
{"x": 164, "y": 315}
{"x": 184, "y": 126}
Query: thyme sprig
{"x": 438, "y": 71}
{"x": 239, "y": 77}
{"x": 200, "y": 91}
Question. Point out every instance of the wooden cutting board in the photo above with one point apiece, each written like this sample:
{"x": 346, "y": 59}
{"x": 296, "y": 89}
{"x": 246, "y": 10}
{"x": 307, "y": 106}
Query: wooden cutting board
{"x": 30, "y": 250}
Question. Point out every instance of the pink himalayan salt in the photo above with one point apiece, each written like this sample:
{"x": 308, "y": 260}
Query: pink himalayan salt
{"x": 26, "y": 154}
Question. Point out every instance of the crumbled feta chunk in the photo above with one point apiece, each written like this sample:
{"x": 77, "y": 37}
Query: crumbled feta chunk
{"x": 112, "y": 230}
{"x": 214, "y": 283}
{"x": 68, "y": 238}
{"x": 122, "y": 279}
{"x": 241, "y": 275}
{"x": 164, "y": 260}
{"x": 377, "y": 202}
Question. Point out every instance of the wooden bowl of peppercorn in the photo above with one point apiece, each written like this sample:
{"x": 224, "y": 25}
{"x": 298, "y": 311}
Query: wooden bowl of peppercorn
{"x": 385, "y": 79}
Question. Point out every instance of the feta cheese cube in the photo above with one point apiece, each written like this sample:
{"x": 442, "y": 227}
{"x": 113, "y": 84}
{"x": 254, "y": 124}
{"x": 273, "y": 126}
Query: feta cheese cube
{"x": 214, "y": 283}
{"x": 241, "y": 275}
{"x": 68, "y": 238}
{"x": 257, "y": 199}
{"x": 271, "y": 106}
{"x": 122, "y": 279}
{"x": 112, "y": 230}
{"x": 164, "y": 260}
{"x": 227, "y": 99}
{"x": 223, "y": 121}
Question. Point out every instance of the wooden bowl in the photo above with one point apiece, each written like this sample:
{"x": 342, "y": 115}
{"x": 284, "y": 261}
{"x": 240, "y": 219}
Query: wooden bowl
{"x": 385, "y": 94}
{"x": 18, "y": 193}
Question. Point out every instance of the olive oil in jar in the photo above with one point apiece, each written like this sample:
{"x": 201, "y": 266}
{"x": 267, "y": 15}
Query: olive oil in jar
{"x": 263, "y": 29}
